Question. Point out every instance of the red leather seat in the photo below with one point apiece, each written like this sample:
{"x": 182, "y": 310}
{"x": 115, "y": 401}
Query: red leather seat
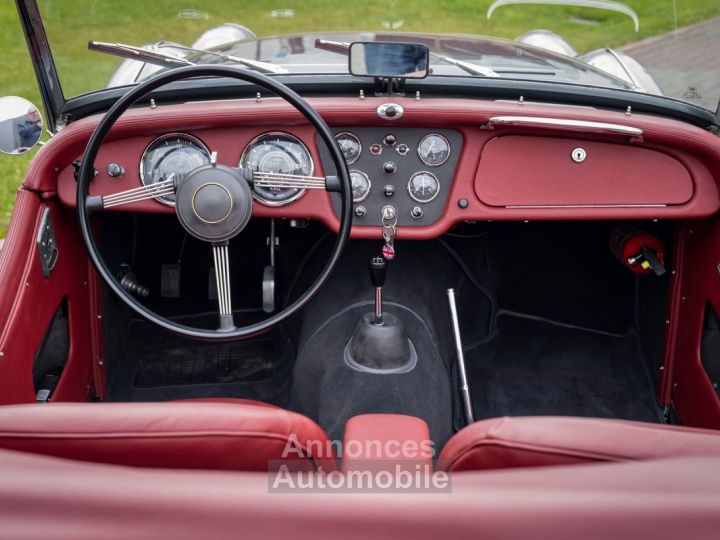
{"x": 227, "y": 434}
{"x": 502, "y": 443}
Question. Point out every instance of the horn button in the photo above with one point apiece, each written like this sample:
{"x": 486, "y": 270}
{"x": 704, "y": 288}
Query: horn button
{"x": 213, "y": 203}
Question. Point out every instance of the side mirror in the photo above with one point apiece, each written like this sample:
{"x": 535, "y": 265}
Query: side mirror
{"x": 21, "y": 125}
{"x": 389, "y": 59}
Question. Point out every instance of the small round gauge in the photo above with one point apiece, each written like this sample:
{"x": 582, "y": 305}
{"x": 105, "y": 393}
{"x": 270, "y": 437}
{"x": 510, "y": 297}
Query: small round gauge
{"x": 423, "y": 187}
{"x": 175, "y": 153}
{"x": 434, "y": 150}
{"x": 277, "y": 153}
{"x": 360, "y": 185}
{"x": 350, "y": 146}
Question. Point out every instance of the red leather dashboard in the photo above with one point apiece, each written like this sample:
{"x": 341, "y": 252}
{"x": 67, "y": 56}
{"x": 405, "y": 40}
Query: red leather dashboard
{"x": 505, "y": 172}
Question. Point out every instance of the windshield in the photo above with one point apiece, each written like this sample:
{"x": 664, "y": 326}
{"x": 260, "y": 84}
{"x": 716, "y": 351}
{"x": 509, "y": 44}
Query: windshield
{"x": 664, "y": 47}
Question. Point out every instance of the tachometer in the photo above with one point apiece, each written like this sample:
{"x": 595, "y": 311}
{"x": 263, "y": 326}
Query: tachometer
{"x": 350, "y": 146}
{"x": 423, "y": 187}
{"x": 434, "y": 150}
{"x": 277, "y": 153}
{"x": 175, "y": 153}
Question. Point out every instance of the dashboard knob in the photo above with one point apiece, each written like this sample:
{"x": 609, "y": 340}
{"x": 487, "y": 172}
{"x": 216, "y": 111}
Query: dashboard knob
{"x": 391, "y": 111}
{"x": 360, "y": 211}
{"x": 389, "y": 167}
{"x": 389, "y": 140}
{"x": 389, "y": 190}
{"x": 416, "y": 212}
{"x": 115, "y": 170}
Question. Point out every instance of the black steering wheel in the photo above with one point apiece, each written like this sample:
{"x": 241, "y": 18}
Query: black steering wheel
{"x": 213, "y": 203}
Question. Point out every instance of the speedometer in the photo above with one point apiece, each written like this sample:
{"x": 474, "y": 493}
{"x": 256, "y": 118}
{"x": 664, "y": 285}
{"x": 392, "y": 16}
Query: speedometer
{"x": 277, "y": 153}
{"x": 175, "y": 153}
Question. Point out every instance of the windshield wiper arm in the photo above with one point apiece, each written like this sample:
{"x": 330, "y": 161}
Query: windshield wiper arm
{"x": 474, "y": 69}
{"x": 263, "y": 67}
{"x": 138, "y": 53}
{"x": 342, "y": 47}
{"x": 154, "y": 56}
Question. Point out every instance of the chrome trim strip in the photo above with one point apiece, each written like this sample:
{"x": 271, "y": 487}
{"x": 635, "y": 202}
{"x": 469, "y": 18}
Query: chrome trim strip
{"x": 564, "y": 123}
{"x": 550, "y": 206}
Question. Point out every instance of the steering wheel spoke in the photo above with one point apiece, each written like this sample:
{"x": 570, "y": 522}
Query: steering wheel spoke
{"x": 142, "y": 193}
{"x": 295, "y": 181}
{"x": 221, "y": 258}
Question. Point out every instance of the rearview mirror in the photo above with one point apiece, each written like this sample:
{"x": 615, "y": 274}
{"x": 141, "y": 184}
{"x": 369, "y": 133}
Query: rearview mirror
{"x": 20, "y": 125}
{"x": 389, "y": 59}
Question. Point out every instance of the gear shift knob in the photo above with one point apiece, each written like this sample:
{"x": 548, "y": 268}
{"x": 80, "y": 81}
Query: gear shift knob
{"x": 378, "y": 270}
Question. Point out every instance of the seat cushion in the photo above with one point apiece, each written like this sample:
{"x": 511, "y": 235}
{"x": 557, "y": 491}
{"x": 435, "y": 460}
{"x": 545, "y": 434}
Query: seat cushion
{"x": 227, "y": 434}
{"x": 501, "y": 443}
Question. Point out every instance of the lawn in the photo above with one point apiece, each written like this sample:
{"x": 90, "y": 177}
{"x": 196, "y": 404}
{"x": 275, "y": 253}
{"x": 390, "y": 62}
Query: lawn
{"x": 71, "y": 23}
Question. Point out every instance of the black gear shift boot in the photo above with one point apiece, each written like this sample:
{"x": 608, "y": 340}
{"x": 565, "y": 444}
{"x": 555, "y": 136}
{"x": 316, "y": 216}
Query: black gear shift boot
{"x": 380, "y": 348}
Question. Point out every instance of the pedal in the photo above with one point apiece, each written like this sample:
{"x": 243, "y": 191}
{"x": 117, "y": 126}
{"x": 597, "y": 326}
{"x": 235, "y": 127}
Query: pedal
{"x": 170, "y": 280}
{"x": 268, "y": 281}
{"x": 268, "y": 289}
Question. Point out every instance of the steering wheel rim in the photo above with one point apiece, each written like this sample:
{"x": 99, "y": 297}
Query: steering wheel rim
{"x": 86, "y": 174}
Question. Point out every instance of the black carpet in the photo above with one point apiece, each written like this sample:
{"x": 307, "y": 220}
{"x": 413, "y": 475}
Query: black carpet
{"x": 330, "y": 392}
{"x": 206, "y": 364}
{"x": 535, "y": 367}
{"x": 159, "y": 366}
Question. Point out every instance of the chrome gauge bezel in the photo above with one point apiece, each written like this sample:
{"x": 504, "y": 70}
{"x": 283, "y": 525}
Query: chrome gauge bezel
{"x": 413, "y": 197}
{"x": 422, "y": 158}
{"x": 178, "y": 135}
{"x": 357, "y": 139}
{"x": 300, "y": 193}
{"x": 369, "y": 183}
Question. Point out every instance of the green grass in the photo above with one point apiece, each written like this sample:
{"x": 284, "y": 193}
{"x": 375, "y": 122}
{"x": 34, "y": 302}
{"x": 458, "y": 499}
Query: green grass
{"x": 71, "y": 23}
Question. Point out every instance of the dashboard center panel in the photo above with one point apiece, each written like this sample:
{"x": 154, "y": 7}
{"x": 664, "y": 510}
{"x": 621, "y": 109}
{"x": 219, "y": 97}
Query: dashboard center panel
{"x": 411, "y": 169}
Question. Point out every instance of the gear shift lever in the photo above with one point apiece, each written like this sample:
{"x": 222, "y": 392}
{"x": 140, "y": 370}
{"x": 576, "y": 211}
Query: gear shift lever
{"x": 378, "y": 271}
{"x": 379, "y": 343}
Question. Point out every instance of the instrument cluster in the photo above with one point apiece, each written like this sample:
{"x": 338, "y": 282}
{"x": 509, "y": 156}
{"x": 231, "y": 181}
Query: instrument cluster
{"x": 408, "y": 169}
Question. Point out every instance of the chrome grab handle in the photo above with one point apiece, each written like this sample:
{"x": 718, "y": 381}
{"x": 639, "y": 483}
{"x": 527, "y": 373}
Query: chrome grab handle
{"x": 541, "y": 121}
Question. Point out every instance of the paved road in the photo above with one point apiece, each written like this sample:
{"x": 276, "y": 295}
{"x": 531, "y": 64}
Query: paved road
{"x": 685, "y": 63}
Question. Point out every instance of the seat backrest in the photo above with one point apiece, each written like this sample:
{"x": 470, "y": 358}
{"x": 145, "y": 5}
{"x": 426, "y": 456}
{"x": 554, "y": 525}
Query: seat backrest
{"x": 534, "y": 441}
{"x": 238, "y": 435}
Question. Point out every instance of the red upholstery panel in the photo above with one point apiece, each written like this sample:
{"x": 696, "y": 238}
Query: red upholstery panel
{"x": 194, "y": 434}
{"x": 387, "y": 439}
{"x": 43, "y": 498}
{"x": 29, "y": 300}
{"x": 538, "y": 171}
{"x": 501, "y": 443}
